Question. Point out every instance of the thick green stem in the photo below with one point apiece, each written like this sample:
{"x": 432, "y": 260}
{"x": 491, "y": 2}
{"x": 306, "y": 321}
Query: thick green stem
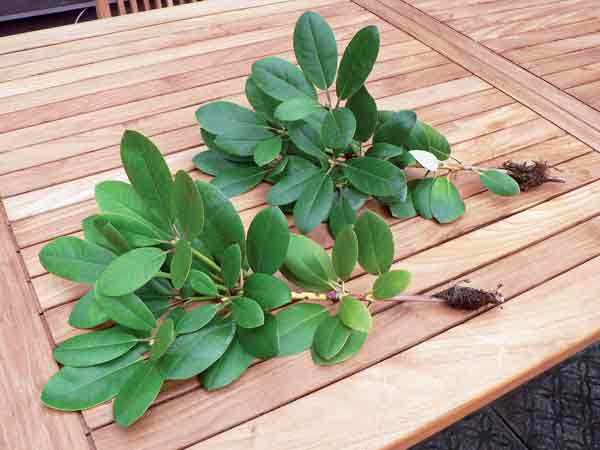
{"x": 206, "y": 260}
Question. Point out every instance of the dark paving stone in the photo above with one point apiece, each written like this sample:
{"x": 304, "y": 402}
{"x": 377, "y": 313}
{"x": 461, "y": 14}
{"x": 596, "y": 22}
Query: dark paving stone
{"x": 483, "y": 430}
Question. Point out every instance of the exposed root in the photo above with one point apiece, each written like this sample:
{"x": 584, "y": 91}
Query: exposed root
{"x": 530, "y": 174}
{"x": 464, "y": 297}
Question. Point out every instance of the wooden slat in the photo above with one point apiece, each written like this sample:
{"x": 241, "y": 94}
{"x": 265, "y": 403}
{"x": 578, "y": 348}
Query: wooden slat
{"x": 554, "y": 48}
{"x": 412, "y": 395}
{"x": 575, "y": 77}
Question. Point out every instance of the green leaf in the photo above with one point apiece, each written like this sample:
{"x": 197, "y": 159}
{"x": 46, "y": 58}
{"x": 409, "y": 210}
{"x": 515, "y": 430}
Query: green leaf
{"x": 181, "y": 263}
{"x": 269, "y": 291}
{"x": 446, "y": 203}
{"x": 421, "y": 195}
{"x": 130, "y": 271}
{"x": 330, "y": 337}
{"x": 357, "y": 62}
{"x": 405, "y": 209}
{"x": 100, "y": 231}
{"x": 165, "y": 335}
{"x": 262, "y": 103}
{"x": 214, "y": 162}
{"x": 234, "y": 362}
{"x": 355, "y": 315}
{"x": 375, "y": 243}
{"x": 375, "y": 176}
{"x": 426, "y": 159}
{"x": 350, "y": 348}
{"x": 188, "y": 205}
{"x": 281, "y": 79}
{"x": 289, "y": 188}
{"x": 148, "y": 173}
{"x": 137, "y": 394}
{"x": 396, "y": 128}
{"x": 314, "y": 204}
{"x": 77, "y": 388}
{"x": 308, "y": 265}
{"x": 75, "y": 259}
{"x": 196, "y": 319}
{"x": 383, "y": 150}
{"x": 306, "y": 137}
{"x": 297, "y": 326}
{"x": 316, "y": 49}
{"x": 86, "y": 313}
{"x": 499, "y": 182}
{"x": 391, "y": 283}
{"x": 234, "y": 182}
{"x": 266, "y": 151}
{"x": 137, "y": 233}
{"x": 247, "y": 313}
{"x": 345, "y": 252}
{"x": 242, "y": 144}
{"x": 341, "y": 215}
{"x": 297, "y": 108}
{"x": 338, "y": 128}
{"x": 202, "y": 283}
{"x": 267, "y": 241}
{"x": 94, "y": 348}
{"x": 231, "y": 267}
{"x": 261, "y": 342}
{"x": 364, "y": 108}
{"x": 222, "y": 118}
{"x": 424, "y": 137}
{"x": 127, "y": 310}
{"x": 193, "y": 353}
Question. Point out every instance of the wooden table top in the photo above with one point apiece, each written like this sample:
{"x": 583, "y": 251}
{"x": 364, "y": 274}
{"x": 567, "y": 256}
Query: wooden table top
{"x": 503, "y": 79}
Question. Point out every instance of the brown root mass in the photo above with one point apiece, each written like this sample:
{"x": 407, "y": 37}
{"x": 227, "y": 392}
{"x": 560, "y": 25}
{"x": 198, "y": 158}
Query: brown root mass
{"x": 464, "y": 297}
{"x": 530, "y": 174}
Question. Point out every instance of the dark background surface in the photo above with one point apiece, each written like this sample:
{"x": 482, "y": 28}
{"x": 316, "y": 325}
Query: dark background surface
{"x": 559, "y": 410}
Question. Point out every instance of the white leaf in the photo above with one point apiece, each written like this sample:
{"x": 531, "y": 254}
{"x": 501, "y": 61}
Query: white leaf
{"x": 427, "y": 159}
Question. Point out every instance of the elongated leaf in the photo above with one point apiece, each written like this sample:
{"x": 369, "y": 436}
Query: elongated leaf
{"x": 297, "y": 326}
{"x": 232, "y": 265}
{"x": 136, "y": 232}
{"x": 314, "y": 204}
{"x": 269, "y": 291}
{"x": 338, "y": 128}
{"x": 396, "y": 128}
{"x": 234, "y": 182}
{"x": 383, "y": 150}
{"x": 196, "y": 319}
{"x": 390, "y": 284}
{"x": 316, "y": 49}
{"x": 77, "y": 388}
{"x": 350, "y": 348}
{"x": 263, "y": 104}
{"x": 345, "y": 252}
{"x": 446, "y": 203}
{"x": 188, "y": 205}
{"x": 100, "y": 231}
{"x": 181, "y": 263}
{"x": 193, "y": 353}
{"x": 281, "y": 79}
{"x": 234, "y": 362}
{"x": 267, "y": 241}
{"x": 148, "y": 173}
{"x": 247, "y": 313}
{"x": 137, "y": 394}
{"x": 289, "y": 188}
{"x": 86, "y": 313}
{"x": 297, "y": 108}
{"x": 163, "y": 339}
{"x": 202, "y": 283}
{"x": 354, "y": 314}
{"x": 375, "y": 176}
{"x": 127, "y": 310}
{"x": 421, "y": 195}
{"x": 241, "y": 144}
{"x": 357, "y": 62}
{"x": 330, "y": 337}
{"x": 375, "y": 243}
{"x": 261, "y": 342}
{"x": 266, "y": 151}
{"x": 214, "y": 162}
{"x": 499, "y": 182}
{"x": 306, "y": 136}
{"x": 341, "y": 215}
{"x": 130, "y": 271}
{"x": 364, "y": 108}
{"x": 94, "y": 348}
{"x": 308, "y": 265}
{"x": 74, "y": 259}
{"x": 221, "y": 118}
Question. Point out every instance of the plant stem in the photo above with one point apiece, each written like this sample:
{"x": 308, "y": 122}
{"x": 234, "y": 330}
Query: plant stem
{"x": 206, "y": 260}
{"x": 415, "y": 298}
{"x": 163, "y": 275}
{"x": 310, "y": 296}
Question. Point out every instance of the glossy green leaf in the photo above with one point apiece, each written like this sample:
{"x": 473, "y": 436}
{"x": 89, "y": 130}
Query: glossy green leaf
{"x": 261, "y": 342}
{"x": 94, "y": 348}
{"x": 308, "y": 265}
{"x": 214, "y": 162}
{"x": 345, "y": 252}
{"x": 266, "y": 151}
{"x": 100, "y": 231}
{"x": 297, "y": 108}
{"x": 86, "y": 313}
{"x": 193, "y": 353}
{"x": 375, "y": 243}
{"x": 384, "y": 150}
{"x": 196, "y": 319}
{"x": 165, "y": 335}
{"x": 421, "y": 195}
{"x": 231, "y": 267}
{"x": 130, "y": 271}
{"x": 316, "y": 49}
{"x": 127, "y": 310}
{"x": 314, "y": 204}
{"x": 269, "y": 291}
{"x": 396, "y": 128}
{"x": 188, "y": 205}
{"x": 137, "y": 233}
{"x": 281, "y": 79}
{"x": 338, "y": 128}
{"x": 350, "y": 348}
{"x": 341, "y": 215}
{"x": 364, "y": 108}
{"x": 330, "y": 337}
{"x": 447, "y": 204}
{"x": 403, "y": 209}
{"x": 267, "y": 241}
{"x": 247, "y": 313}
{"x": 263, "y": 104}
{"x": 306, "y": 137}
{"x": 234, "y": 362}
{"x": 499, "y": 182}
{"x": 221, "y": 118}
{"x": 241, "y": 144}
{"x": 424, "y": 137}
{"x": 148, "y": 173}
{"x": 75, "y": 259}
{"x": 181, "y": 263}
{"x": 297, "y": 326}
{"x": 202, "y": 283}
{"x": 289, "y": 188}
{"x": 234, "y": 182}
{"x": 391, "y": 283}
{"x": 355, "y": 315}
{"x": 137, "y": 394}
{"x": 357, "y": 62}
{"x": 375, "y": 176}
{"x": 77, "y": 388}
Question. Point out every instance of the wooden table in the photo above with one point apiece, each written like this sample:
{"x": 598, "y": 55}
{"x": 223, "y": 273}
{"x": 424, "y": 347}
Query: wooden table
{"x": 502, "y": 79}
